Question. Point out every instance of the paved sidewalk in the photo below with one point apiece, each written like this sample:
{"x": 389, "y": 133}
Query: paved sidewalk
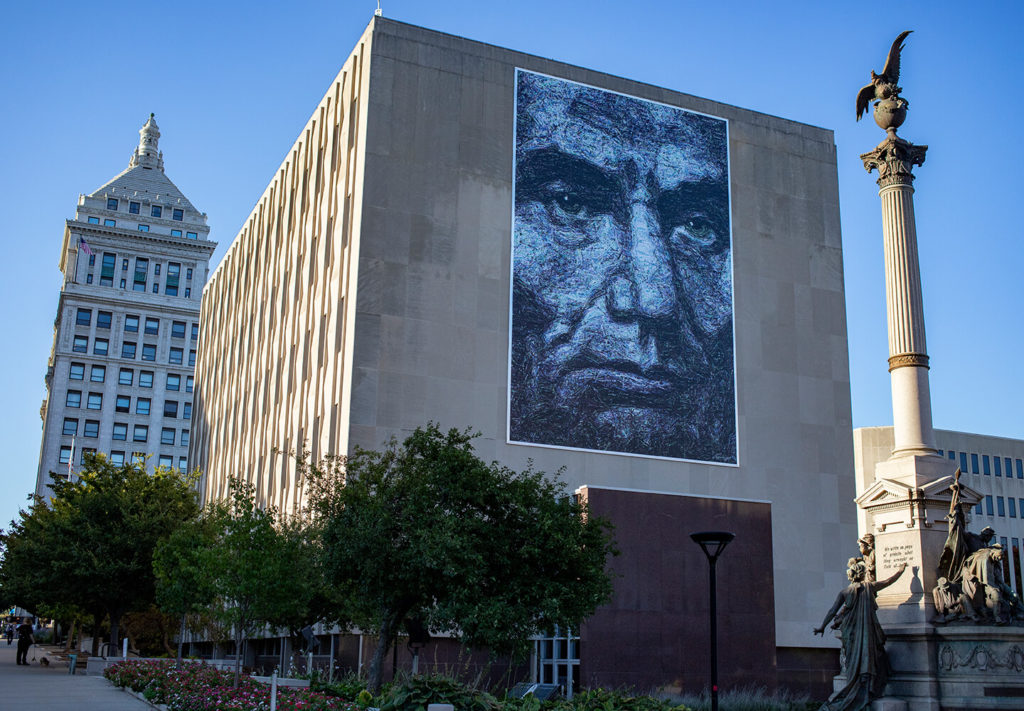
{"x": 52, "y": 689}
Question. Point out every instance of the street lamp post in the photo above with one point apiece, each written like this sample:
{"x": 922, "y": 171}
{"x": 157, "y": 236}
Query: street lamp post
{"x": 713, "y": 543}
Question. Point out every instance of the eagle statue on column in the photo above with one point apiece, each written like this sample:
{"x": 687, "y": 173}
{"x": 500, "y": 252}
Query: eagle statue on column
{"x": 884, "y": 86}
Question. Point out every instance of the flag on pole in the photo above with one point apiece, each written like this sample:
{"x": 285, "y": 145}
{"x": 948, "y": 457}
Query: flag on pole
{"x": 85, "y": 246}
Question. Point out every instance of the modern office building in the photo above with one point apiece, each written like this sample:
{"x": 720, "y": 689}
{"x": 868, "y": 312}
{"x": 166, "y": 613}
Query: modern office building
{"x": 641, "y": 286}
{"x": 120, "y": 375}
{"x": 991, "y": 466}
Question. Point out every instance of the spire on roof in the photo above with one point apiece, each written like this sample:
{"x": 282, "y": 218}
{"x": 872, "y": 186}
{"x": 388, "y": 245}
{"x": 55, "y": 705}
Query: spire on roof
{"x": 147, "y": 154}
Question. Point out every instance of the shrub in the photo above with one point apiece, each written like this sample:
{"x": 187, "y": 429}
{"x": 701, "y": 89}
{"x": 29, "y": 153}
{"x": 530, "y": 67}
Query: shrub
{"x": 615, "y": 700}
{"x": 415, "y": 693}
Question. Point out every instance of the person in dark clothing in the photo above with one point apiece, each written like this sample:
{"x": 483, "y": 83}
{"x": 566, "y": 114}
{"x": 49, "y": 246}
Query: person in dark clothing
{"x": 25, "y": 640}
{"x": 10, "y": 633}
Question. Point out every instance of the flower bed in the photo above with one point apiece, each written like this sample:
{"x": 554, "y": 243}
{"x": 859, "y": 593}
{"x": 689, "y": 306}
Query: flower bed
{"x": 197, "y": 687}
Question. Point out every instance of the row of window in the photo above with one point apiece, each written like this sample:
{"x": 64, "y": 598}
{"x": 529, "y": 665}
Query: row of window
{"x": 83, "y": 317}
{"x": 986, "y": 465}
{"x": 154, "y": 210}
{"x": 107, "y": 222}
{"x": 126, "y": 376}
{"x": 123, "y": 403}
{"x": 117, "y": 458}
{"x": 91, "y": 429}
{"x": 101, "y": 347}
{"x": 998, "y": 506}
{"x": 141, "y": 274}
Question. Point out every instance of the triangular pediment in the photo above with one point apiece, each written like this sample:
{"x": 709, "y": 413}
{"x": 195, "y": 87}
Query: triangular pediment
{"x": 886, "y": 491}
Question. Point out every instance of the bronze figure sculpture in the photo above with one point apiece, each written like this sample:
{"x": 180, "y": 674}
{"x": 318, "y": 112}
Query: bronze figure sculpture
{"x": 884, "y": 86}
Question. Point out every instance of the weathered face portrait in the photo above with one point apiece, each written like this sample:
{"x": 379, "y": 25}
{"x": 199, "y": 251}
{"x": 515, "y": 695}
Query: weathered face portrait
{"x": 622, "y": 316}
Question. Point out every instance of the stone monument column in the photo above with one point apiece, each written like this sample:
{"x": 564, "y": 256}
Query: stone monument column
{"x": 894, "y": 159}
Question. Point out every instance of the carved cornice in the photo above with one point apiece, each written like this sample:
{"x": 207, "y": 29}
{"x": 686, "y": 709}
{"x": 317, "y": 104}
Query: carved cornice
{"x": 894, "y": 158}
{"x": 982, "y": 658}
{"x": 908, "y": 359}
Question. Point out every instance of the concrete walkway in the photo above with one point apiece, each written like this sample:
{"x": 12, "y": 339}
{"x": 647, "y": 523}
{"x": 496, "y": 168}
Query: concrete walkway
{"x": 52, "y": 689}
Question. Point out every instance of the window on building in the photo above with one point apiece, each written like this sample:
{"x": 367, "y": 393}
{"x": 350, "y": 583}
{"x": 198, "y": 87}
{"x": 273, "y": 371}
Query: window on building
{"x": 988, "y": 506}
{"x": 124, "y": 264}
{"x": 124, "y": 284}
{"x": 1009, "y": 471}
{"x": 177, "y": 329}
{"x": 985, "y": 466}
{"x": 88, "y": 278}
{"x": 77, "y": 371}
{"x": 156, "y": 269}
{"x": 156, "y": 288}
{"x": 148, "y": 351}
{"x": 95, "y": 401}
{"x": 145, "y": 378}
{"x": 100, "y": 346}
{"x": 140, "y": 433}
{"x": 175, "y": 233}
{"x": 1011, "y": 503}
{"x": 138, "y": 457}
{"x": 152, "y": 326}
{"x": 74, "y": 398}
{"x": 92, "y": 260}
{"x": 173, "y": 273}
{"x": 188, "y": 383}
{"x": 195, "y": 331}
{"x": 1020, "y": 469}
{"x": 70, "y": 426}
{"x": 192, "y": 358}
{"x": 166, "y": 461}
{"x": 177, "y": 214}
{"x": 173, "y": 381}
{"x": 155, "y": 211}
{"x": 186, "y": 413}
{"x": 175, "y": 356}
{"x": 963, "y": 462}
{"x": 974, "y": 464}
{"x": 952, "y": 455}
{"x": 183, "y": 464}
{"x": 188, "y": 274}
{"x": 141, "y": 274}
{"x": 123, "y": 403}
{"x": 131, "y": 323}
{"x": 111, "y": 203}
{"x": 86, "y": 451}
{"x": 80, "y": 344}
{"x": 184, "y": 438}
{"x": 170, "y": 408}
{"x": 128, "y": 350}
{"x": 109, "y": 223}
{"x": 188, "y": 292}
{"x": 83, "y": 317}
{"x": 107, "y": 269}
{"x": 91, "y": 429}
{"x": 142, "y": 406}
{"x": 192, "y": 235}
{"x": 98, "y": 373}
{"x": 143, "y": 228}
{"x": 126, "y": 376}
{"x": 997, "y": 464}
{"x": 93, "y": 220}
{"x": 133, "y": 208}
{"x": 120, "y": 431}
{"x": 1001, "y": 506}
{"x": 65, "y": 455}
{"x": 167, "y": 435}
{"x": 117, "y": 459}
{"x": 104, "y": 319}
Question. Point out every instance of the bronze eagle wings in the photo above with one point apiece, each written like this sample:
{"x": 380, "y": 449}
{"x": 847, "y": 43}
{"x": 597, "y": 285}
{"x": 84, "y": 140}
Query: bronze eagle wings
{"x": 884, "y": 85}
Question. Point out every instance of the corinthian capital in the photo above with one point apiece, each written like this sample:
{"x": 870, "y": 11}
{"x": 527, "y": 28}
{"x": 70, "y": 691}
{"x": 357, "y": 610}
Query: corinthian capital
{"x": 894, "y": 158}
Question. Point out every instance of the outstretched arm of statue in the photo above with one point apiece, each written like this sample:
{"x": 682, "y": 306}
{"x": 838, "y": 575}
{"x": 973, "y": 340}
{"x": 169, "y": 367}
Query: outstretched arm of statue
{"x": 831, "y": 613}
{"x": 889, "y": 581}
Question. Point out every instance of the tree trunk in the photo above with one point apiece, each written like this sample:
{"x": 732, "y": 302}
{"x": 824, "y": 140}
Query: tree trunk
{"x": 71, "y": 636}
{"x": 238, "y": 654}
{"x": 115, "y": 632}
{"x": 388, "y": 627}
{"x": 96, "y": 623}
{"x": 181, "y": 640}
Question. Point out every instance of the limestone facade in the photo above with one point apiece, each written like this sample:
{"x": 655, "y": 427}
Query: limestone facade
{"x": 119, "y": 377}
{"x": 368, "y": 293}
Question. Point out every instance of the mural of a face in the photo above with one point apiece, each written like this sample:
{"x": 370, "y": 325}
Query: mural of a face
{"x": 622, "y": 336}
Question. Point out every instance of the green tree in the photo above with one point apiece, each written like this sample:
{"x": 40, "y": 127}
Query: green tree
{"x": 183, "y": 582}
{"x": 91, "y": 545}
{"x": 427, "y": 530}
{"x": 258, "y": 569}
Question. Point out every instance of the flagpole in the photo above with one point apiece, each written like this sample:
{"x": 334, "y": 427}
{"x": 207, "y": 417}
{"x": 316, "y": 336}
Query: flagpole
{"x": 71, "y": 459}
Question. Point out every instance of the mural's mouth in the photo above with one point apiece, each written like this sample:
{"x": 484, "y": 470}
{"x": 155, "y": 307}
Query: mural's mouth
{"x": 612, "y": 385}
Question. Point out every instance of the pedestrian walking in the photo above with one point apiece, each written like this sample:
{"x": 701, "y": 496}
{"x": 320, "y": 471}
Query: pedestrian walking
{"x": 25, "y": 640}
{"x": 10, "y": 633}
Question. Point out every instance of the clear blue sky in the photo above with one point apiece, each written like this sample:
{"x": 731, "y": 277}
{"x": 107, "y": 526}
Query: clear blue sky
{"x": 233, "y": 83}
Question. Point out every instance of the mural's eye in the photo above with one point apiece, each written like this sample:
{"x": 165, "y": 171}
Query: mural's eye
{"x": 565, "y": 201}
{"x": 696, "y": 230}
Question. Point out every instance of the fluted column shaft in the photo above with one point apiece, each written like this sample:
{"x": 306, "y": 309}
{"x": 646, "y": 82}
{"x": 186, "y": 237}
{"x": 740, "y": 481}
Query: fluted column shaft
{"x": 908, "y": 353}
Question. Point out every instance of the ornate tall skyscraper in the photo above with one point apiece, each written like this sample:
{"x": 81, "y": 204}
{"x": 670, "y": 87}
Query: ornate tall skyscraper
{"x": 119, "y": 379}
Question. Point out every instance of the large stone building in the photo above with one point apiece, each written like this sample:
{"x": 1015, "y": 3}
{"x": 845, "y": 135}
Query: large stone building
{"x": 120, "y": 376}
{"x": 639, "y": 285}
